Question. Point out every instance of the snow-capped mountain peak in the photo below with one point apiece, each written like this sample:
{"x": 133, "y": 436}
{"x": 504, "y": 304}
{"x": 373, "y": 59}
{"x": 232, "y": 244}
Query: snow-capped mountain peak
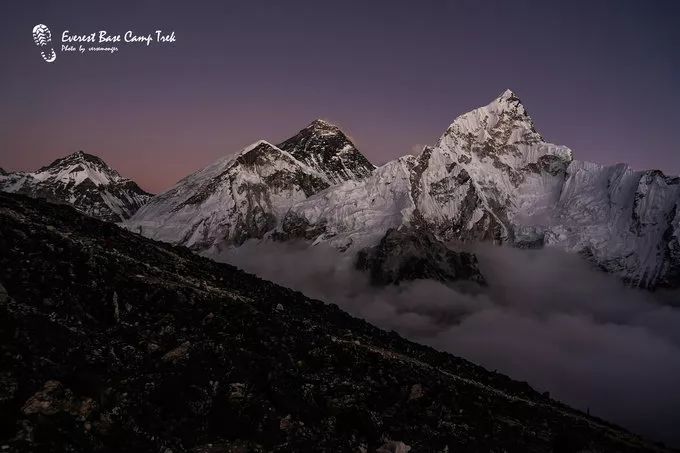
{"x": 507, "y": 167}
{"x": 239, "y": 197}
{"x": 325, "y": 148}
{"x": 244, "y": 195}
{"x": 498, "y": 126}
{"x": 493, "y": 177}
{"x": 77, "y": 168}
{"x": 490, "y": 177}
{"x": 84, "y": 181}
{"x": 323, "y": 126}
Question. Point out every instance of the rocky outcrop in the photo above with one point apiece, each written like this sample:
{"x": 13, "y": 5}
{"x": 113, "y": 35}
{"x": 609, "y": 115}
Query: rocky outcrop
{"x": 113, "y": 342}
{"x": 413, "y": 254}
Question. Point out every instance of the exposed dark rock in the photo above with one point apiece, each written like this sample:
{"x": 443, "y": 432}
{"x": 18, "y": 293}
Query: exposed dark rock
{"x": 294, "y": 226}
{"x": 149, "y": 347}
{"x": 528, "y": 237}
{"x": 324, "y": 147}
{"x": 411, "y": 254}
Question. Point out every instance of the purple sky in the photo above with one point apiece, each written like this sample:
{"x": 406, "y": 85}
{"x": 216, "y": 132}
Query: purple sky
{"x": 600, "y": 77}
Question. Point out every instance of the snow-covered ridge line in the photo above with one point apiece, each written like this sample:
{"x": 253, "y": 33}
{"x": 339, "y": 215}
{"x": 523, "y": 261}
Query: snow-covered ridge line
{"x": 492, "y": 176}
{"x": 244, "y": 195}
{"x": 84, "y": 181}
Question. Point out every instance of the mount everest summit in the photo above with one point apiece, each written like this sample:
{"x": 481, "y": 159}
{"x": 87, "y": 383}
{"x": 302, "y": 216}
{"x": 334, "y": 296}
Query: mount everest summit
{"x": 490, "y": 177}
{"x": 244, "y": 196}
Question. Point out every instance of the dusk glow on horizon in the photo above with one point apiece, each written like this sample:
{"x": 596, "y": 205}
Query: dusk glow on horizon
{"x": 381, "y": 226}
{"x": 602, "y": 78}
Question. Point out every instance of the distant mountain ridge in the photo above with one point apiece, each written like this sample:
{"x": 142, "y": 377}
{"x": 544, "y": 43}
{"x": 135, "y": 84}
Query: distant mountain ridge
{"x": 84, "y": 181}
{"x": 244, "y": 196}
{"x": 492, "y": 176}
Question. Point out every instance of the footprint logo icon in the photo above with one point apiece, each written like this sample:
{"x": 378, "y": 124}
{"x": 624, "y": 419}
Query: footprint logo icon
{"x": 43, "y": 37}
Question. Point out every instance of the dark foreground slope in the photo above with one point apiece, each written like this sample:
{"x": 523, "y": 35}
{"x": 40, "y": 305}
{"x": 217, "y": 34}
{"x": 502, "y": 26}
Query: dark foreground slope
{"x": 113, "y": 342}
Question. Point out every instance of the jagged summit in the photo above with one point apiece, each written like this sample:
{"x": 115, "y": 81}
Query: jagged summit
{"x": 323, "y": 124}
{"x": 84, "y": 181}
{"x": 80, "y": 167}
{"x": 504, "y": 121}
{"x": 78, "y": 157}
{"x": 508, "y": 96}
{"x": 325, "y": 148}
{"x": 489, "y": 167}
{"x": 492, "y": 176}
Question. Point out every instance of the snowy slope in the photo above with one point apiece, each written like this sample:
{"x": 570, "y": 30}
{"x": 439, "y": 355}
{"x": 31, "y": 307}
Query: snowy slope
{"x": 492, "y": 176}
{"x": 236, "y": 198}
{"x": 513, "y": 177}
{"x": 84, "y": 181}
{"x": 243, "y": 196}
{"x": 489, "y": 167}
{"x": 354, "y": 213}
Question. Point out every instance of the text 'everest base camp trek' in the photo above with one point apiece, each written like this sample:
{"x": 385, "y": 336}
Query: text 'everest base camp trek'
{"x": 104, "y": 338}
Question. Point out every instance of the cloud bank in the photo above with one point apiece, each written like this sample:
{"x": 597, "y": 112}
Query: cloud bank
{"x": 547, "y": 317}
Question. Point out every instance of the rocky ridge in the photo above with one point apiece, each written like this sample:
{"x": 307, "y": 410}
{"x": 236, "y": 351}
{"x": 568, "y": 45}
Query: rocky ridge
{"x": 411, "y": 254}
{"x": 110, "y": 342}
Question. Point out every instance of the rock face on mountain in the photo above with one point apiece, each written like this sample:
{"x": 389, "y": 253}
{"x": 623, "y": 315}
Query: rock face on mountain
{"x": 83, "y": 181}
{"x": 326, "y": 149}
{"x": 492, "y": 177}
{"x": 410, "y": 254}
{"x": 244, "y": 196}
{"x": 113, "y": 342}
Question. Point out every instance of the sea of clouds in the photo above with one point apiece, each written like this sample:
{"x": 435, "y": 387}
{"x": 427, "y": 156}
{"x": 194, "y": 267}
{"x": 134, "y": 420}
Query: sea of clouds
{"x": 546, "y": 317}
